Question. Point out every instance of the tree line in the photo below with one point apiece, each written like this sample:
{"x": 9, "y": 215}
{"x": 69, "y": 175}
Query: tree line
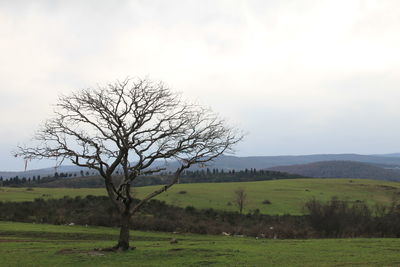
{"x": 191, "y": 176}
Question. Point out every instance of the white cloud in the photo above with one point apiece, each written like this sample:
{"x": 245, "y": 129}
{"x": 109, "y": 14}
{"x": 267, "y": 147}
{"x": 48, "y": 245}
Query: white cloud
{"x": 300, "y": 76}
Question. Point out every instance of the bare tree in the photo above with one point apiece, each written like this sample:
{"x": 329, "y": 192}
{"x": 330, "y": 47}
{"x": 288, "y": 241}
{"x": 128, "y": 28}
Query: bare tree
{"x": 240, "y": 198}
{"x": 127, "y": 127}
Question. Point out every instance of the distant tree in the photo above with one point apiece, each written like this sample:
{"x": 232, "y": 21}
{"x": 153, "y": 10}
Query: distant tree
{"x": 137, "y": 121}
{"x": 240, "y": 198}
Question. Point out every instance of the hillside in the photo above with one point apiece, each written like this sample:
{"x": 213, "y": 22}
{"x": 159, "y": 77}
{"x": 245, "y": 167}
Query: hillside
{"x": 341, "y": 169}
{"x": 261, "y": 162}
{"x": 284, "y": 196}
{"x": 237, "y": 163}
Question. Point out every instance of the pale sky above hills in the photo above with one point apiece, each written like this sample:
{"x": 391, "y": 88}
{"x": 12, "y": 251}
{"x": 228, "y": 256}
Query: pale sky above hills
{"x": 300, "y": 77}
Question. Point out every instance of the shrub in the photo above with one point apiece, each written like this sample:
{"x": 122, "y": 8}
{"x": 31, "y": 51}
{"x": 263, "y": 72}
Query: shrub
{"x": 335, "y": 218}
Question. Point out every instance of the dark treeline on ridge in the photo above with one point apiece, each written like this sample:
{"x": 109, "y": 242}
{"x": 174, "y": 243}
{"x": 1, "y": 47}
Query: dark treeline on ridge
{"x": 197, "y": 176}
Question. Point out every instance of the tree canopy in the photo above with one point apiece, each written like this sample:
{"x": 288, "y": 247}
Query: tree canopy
{"x": 129, "y": 126}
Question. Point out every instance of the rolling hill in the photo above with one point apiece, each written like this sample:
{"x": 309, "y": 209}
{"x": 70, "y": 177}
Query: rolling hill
{"x": 240, "y": 163}
{"x": 284, "y": 196}
{"x": 341, "y": 169}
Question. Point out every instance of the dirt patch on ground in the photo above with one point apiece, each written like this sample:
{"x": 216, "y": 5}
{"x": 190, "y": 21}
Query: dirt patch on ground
{"x": 77, "y": 251}
{"x": 68, "y": 251}
{"x": 176, "y": 249}
{"x": 95, "y": 253}
{"x": 387, "y": 187}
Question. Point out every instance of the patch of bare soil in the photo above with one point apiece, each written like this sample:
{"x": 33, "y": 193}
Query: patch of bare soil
{"x": 68, "y": 251}
{"x": 387, "y": 187}
{"x": 95, "y": 253}
{"x": 76, "y": 251}
{"x": 176, "y": 249}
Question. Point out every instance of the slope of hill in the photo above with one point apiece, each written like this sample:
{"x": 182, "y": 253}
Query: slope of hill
{"x": 392, "y": 155}
{"x": 341, "y": 169}
{"x": 264, "y": 162}
{"x": 240, "y": 163}
{"x": 284, "y": 196}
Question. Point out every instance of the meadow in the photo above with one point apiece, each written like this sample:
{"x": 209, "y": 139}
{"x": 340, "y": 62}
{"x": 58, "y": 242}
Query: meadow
{"x": 285, "y": 196}
{"x": 28, "y": 245}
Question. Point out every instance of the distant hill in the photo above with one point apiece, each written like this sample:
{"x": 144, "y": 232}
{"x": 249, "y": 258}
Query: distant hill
{"x": 341, "y": 169}
{"x": 45, "y": 171}
{"x": 240, "y": 163}
{"x": 272, "y": 161}
{"x": 388, "y": 155}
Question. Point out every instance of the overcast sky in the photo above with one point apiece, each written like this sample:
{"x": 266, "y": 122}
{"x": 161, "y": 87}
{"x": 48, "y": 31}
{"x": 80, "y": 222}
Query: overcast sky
{"x": 300, "y": 77}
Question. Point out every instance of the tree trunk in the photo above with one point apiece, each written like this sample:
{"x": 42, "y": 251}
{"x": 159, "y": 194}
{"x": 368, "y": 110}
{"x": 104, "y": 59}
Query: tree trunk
{"x": 123, "y": 240}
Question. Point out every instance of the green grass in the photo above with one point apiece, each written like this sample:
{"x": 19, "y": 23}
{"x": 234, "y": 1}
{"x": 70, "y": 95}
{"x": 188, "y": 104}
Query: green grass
{"x": 48, "y": 245}
{"x": 24, "y": 194}
{"x": 286, "y": 196}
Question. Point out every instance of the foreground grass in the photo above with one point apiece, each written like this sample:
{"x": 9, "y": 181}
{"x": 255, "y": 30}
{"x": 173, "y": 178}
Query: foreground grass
{"x": 48, "y": 245}
{"x": 286, "y": 196}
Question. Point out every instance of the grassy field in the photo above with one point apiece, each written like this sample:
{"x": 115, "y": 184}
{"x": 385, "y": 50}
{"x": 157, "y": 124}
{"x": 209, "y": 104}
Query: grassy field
{"x": 286, "y": 196}
{"x": 48, "y": 245}
{"x": 29, "y": 194}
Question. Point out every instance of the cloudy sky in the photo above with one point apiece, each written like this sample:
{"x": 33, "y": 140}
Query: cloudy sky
{"x": 299, "y": 77}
